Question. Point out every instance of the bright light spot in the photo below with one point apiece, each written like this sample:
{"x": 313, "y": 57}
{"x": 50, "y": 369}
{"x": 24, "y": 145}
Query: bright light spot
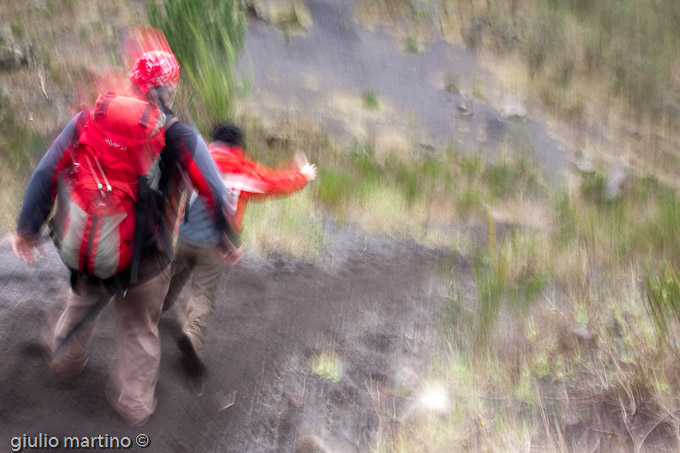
{"x": 434, "y": 397}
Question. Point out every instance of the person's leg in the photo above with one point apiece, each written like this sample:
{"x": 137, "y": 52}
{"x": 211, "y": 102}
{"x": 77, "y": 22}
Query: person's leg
{"x": 181, "y": 268}
{"x": 202, "y": 297}
{"x": 70, "y": 360}
{"x": 139, "y": 349}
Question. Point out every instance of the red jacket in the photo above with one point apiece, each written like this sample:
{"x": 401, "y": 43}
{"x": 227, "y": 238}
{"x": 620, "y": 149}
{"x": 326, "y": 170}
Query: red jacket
{"x": 244, "y": 178}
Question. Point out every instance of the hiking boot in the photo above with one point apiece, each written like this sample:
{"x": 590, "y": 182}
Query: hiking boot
{"x": 65, "y": 370}
{"x": 192, "y": 364}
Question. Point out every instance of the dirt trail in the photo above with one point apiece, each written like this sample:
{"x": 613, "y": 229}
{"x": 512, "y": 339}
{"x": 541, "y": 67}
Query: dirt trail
{"x": 370, "y": 300}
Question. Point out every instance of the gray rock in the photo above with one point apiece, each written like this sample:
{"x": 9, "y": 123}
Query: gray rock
{"x": 617, "y": 176}
{"x": 311, "y": 444}
{"x": 465, "y": 107}
{"x": 406, "y": 380}
{"x": 513, "y": 108}
{"x": 12, "y": 55}
{"x": 582, "y": 333}
{"x": 584, "y": 166}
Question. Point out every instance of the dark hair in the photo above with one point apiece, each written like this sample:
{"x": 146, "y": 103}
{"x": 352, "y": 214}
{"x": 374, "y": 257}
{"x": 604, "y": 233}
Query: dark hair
{"x": 230, "y": 134}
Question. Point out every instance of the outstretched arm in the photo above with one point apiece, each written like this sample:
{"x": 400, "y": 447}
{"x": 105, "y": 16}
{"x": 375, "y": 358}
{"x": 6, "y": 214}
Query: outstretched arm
{"x": 279, "y": 182}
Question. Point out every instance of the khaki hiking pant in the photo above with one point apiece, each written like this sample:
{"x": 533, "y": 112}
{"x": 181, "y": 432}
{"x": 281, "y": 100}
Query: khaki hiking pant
{"x": 203, "y": 267}
{"x": 132, "y": 393}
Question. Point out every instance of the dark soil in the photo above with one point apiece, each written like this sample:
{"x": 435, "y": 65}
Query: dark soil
{"x": 373, "y": 301}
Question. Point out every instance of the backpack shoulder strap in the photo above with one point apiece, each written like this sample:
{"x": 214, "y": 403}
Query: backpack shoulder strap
{"x": 80, "y": 124}
{"x": 101, "y": 111}
{"x": 171, "y": 122}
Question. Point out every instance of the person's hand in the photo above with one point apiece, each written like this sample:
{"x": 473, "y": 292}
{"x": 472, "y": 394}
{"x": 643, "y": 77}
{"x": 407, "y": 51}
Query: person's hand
{"x": 230, "y": 255}
{"x": 300, "y": 160}
{"x": 309, "y": 171}
{"x": 23, "y": 248}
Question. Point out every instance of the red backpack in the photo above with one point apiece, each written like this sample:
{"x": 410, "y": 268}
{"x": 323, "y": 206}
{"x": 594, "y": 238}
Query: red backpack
{"x": 105, "y": 193}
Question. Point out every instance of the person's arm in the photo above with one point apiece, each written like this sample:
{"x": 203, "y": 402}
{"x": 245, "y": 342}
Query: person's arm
{"x": 40, "y": 194}
{"x": 266, "y": 181}
{"x": 195, "y": 159}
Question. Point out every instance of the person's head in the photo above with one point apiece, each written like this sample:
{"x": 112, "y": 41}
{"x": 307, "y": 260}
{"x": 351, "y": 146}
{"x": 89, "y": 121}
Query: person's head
{"x": 156, "y": 74}
{"x": 230, "y": 134}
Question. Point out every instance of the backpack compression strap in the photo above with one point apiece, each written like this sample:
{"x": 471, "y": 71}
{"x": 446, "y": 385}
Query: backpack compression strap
{"x": 142, "y": 205}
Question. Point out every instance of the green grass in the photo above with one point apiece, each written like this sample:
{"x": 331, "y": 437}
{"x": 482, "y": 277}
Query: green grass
{"x": 411, "y": 45}
{"x": 533, "y": 288}
{"x": 20, "y": 151}
{"x": 290, "y": 225}
{"x": 630, "y": 46}
{"x": 370, "y": 100}
{"x": 663, "y": 296}
{"x": 207, "y": 38}
{"x": 327, "y": 365}
{"x": 18, "y": 146}
{"x": 511, "y": 177}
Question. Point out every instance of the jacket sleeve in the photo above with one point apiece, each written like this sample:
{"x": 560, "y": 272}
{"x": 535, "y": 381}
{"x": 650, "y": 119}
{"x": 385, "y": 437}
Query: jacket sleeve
{"x": 41, "y": 190}
{"x": 256, "y": 180}
{"x": 196, "y": 161}
{"x": 277, "y": 182}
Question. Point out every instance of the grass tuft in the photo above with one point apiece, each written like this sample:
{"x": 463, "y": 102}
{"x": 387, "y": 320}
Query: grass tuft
{"x": 207, "y": 38}
{"x": 411, "y": 45}
{"x": 327, "y": 365}
{"x": 370, "y": 100}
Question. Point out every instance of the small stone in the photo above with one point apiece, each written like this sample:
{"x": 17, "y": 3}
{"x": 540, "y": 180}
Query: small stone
{"x": 465, "y": 107}
{"x": 11, "y": 54}
{"x": 224, "y": 401}
{"x": 617, "y": 177}
{"x": 310, "y": 444}
{"x": 406, "y": 379}
{"x": 586, "y": 167}
{"x": 513, "y": 108}
{"x": 582, "y": 333}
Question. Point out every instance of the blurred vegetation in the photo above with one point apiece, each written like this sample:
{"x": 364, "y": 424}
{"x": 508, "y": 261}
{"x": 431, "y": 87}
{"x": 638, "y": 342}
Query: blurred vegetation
{"x": 208, "y": 38}
{"x": 628, "y": 46}
{"x": 370, "y": 100}
{"x": 565, "y": 310}
{"x": 557, "y": 329}
{"x": 327, "y": 365}
{"x": 411, "y": 45}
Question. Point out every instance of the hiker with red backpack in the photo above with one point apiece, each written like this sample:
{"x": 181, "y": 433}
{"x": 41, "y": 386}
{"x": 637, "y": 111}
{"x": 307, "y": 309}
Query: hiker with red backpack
{"x": 196, "y": 259}
{"x": 116, "y": 173}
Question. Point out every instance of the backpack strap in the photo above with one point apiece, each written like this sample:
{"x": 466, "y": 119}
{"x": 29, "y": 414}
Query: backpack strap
{"x": 108, "y": 288}
{"x": 171, "y": 123}
{"x": 80, "y": 124}
{"x": 144, "y": 199}
{"x": 142, "y": 204}
{"x": 144, "y": 120}
{"x": 101, "y": 111}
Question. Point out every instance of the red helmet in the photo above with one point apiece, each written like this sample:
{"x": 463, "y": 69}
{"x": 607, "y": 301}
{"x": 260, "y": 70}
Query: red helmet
{"x": 155, "y": 68}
